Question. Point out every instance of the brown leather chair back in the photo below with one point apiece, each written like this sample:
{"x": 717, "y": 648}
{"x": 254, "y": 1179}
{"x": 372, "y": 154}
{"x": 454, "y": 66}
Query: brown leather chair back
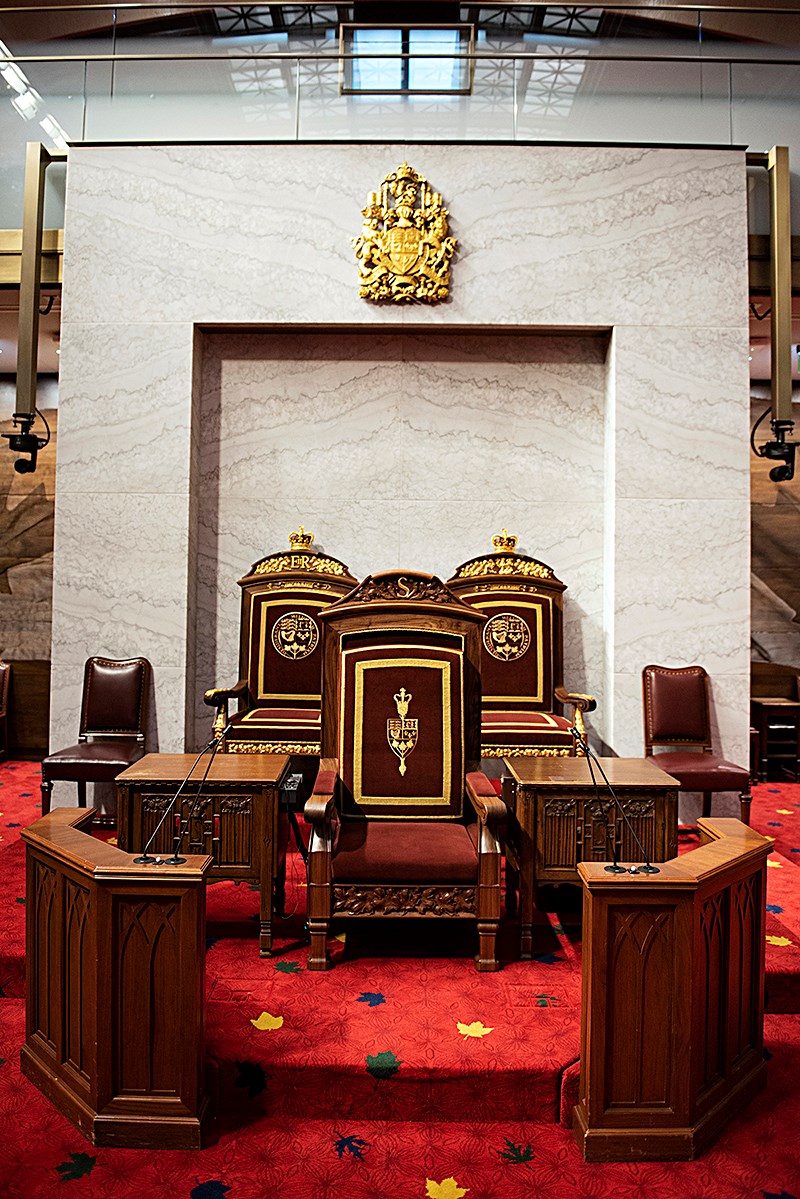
{"x": 115, "y": 698}
{"x": 401, "y": 697}
{"x": 676, "y": 706}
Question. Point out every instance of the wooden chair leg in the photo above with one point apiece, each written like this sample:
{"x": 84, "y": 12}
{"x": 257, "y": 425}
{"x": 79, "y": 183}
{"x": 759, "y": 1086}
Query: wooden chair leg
{"x": 744, "y": 803}
{"x": 318, "y": 957}
{"x": 47, "y": 791}
{"x": 487, "y": 960}
{"x": 707, "y": 803}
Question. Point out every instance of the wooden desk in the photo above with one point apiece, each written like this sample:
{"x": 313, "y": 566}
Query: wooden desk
{"x": 561, "y": 820}
{"x": 236, "y": 820}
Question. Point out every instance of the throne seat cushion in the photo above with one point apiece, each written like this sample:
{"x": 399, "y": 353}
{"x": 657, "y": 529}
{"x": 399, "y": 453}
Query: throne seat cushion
{"x": 526, "y": 728}
{"x": 92, "y": 761}
{"x": 703, "y": 772}
{"x": 277, "y": 724}
{"x": 405, "y": 852}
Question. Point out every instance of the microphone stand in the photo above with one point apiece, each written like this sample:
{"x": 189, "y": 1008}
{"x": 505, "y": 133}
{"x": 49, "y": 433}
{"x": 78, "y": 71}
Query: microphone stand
{"x": 145, "y": 858}
{"x": 614, "y": 868}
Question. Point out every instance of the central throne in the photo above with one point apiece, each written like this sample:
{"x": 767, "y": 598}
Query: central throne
{"x": 403, "y": 823}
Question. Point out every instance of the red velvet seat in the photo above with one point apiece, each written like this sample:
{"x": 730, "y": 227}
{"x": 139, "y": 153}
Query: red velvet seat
{"x": 113, "y": 725}
{"x": 278, "y": 693}
{"x": 522, "y": 658}
{"x": 403, "y": 823}
{"x": 676, "y": 713}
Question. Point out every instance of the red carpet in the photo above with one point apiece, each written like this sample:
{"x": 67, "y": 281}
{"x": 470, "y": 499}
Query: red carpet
{"x": 401, "y": 1072}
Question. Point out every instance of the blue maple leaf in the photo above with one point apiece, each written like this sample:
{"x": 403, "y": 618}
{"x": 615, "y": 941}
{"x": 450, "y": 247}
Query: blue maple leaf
{"x": 795, "y": 850}
{"x": 213, "y": 1189}
{"x": 211, "y": 942}
{"x": 353, "y": 1145}
{"x": 373, "y": 998}
{"x": 774, "y": 908}
{"x": 774, "y": 824}
{"x": 777, "y": 1195}
{"x": 547, "y": 959}
{"x": 15, "y": 824}
{"x": 25, "y": 794}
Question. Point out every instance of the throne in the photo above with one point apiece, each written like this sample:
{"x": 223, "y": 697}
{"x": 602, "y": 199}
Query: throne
{"x": 280, "y": 651}
{"x": 402, "y": 822}
{"x": 522, "y": 660}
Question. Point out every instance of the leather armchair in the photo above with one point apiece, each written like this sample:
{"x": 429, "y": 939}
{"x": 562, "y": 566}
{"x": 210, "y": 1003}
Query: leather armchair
{"x": 113, "y": 725}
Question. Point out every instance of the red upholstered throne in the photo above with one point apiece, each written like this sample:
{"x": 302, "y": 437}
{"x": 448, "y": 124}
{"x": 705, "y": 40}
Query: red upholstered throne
{"x": 403, "y": 824}
{"x": 280, "y": 651}
{"x": 522, "y": 659}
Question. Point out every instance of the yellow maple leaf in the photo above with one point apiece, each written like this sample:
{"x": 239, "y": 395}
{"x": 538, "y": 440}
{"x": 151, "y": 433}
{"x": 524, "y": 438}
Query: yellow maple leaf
{"x": 112, "y": 841}
{"x": 779, "y": 941}
{"x": 266, "y": 1021}
{"x": 475, "y": 1029}
{"x": 340, "y": 937}
{"x": 784, "y": 811}
{"x": 777, "y": 865}
{"x": 448, "y": 1188}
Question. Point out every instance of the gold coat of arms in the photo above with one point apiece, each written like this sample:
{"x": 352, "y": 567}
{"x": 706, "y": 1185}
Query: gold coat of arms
{"x": 404, "y": 250}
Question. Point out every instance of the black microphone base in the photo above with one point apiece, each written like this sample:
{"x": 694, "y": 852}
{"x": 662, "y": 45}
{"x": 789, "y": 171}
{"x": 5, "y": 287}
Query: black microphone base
{"x": 144, "y": 860}
{"x": 174, "y": 861}
{"x": 648, "y": 869}
{"x": 615, "y": 869}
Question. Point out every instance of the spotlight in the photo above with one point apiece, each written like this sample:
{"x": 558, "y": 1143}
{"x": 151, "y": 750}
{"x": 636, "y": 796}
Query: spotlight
{"x": 779, "y": 450}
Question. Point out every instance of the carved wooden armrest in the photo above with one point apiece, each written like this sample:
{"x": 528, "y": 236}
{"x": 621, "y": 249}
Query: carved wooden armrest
{"x": 490, "y": 808}
{"x": 217, "y": 697}
{"x": 579, "y": 703}
{"x": 320, "y": 807}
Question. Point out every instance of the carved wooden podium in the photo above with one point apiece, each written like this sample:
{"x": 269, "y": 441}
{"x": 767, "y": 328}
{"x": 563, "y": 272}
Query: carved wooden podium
{"x": 115, "y": 987}
{"x": 673, "y": 998}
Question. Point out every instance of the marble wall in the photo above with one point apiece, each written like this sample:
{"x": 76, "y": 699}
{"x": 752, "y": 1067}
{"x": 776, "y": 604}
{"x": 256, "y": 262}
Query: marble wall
{"x": 221, "y": 380}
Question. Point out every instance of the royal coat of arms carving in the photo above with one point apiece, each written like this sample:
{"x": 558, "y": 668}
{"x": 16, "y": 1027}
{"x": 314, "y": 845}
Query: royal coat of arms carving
{"x": 404, "y": 250}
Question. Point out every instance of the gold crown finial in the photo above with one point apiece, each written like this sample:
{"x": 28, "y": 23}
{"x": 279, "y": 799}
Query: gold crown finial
{"x": 300, "y": 540}
{"x": 504, "y": 542}
{"x": 402, "y": 698}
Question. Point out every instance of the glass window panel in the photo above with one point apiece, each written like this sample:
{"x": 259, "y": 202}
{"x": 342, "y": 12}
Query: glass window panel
{"x": 377, "y": 74}
{"x": 434, "y": 74}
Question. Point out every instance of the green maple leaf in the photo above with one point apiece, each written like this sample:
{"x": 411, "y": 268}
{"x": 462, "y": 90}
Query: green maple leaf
{"x": 516, "y": 1154}
{"x": 79, "y": 1166}
{"x": 382, "y": 1065}
{"x": 2, "y": 1061}
{"x": 288, "y": 967}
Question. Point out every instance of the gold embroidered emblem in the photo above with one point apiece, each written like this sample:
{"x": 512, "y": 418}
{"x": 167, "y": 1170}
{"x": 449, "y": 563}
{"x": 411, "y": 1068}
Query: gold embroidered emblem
{"x": 507, "y": 637}
{"x": 401, "y": 732}
{"x": 404, "y": 250}
{"x": 295, "y": 635}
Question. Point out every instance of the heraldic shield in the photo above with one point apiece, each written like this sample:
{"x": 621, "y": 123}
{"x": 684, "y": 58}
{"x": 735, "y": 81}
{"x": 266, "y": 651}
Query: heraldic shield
{"x": 404, "y": 250}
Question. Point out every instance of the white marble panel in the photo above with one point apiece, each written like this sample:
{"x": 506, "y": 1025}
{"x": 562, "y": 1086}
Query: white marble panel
{"x": 548, "y": 235}
{"x": 682, "y": 428}
{"x": 120, "y": 578}
{"x": 125, "y": 407}
{"x": 682, "y": 583}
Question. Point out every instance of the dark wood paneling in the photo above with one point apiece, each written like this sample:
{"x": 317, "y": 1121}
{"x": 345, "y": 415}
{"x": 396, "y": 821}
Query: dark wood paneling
{"x": 29, "y": 710}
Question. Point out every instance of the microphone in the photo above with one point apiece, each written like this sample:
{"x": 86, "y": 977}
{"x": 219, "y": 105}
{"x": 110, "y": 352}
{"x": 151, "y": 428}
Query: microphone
{"x": 145, "y": 858}
{"x": 614, "y": 868}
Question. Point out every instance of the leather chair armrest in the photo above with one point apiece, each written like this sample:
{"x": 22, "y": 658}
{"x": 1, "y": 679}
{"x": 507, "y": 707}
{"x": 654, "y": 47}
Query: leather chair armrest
{"x": 320, "y": 807}
{"x": 490, "y": 808}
